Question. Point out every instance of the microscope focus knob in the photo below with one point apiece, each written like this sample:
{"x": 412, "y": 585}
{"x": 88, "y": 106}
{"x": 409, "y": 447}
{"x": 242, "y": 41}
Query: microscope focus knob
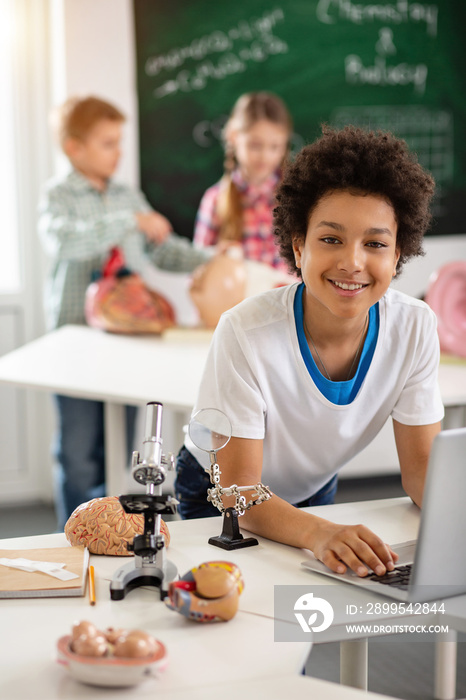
{"x": 169, "y": 460}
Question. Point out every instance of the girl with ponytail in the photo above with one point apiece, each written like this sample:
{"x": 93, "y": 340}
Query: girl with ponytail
{"x": 239, "y": 208}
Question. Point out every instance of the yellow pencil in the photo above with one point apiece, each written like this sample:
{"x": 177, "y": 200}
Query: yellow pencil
{"x": 91, "y": 586}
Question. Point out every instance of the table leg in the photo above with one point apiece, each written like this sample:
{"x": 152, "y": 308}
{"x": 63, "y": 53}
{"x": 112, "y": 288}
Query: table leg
{"x": 181, "y": 418}
{"x": 454, "y": 417}
{"x": 445, "y": 666}
{"x": 115, "y": 449}
{"x": 353, "y": 663}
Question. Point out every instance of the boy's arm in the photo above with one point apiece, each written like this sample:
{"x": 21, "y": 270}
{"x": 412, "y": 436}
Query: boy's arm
{"x": 177, "y": 254}
{"x": 337, "y": 546}
{"x": 413, "y": 444}
{"x": 66, "y": 235}
{"x": 154, "y": 225}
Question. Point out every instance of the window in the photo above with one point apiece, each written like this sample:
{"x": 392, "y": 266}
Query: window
{"x": 10, "y": 278}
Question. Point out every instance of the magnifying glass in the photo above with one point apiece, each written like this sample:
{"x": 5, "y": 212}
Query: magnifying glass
{"x": 210, "y": 429}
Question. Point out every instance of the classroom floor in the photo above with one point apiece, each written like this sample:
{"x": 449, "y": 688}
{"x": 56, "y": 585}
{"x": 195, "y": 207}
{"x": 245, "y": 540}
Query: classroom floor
{"x": 401, "y": 669}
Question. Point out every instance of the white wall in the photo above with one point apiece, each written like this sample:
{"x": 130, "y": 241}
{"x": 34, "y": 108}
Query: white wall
{"x": 93, "y": 53}
{"x": 25, "y": 418}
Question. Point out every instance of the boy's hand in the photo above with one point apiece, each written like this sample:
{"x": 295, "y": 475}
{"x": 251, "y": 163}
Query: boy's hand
{"x": 156, "y": 227}
{"x": 353, "y": 546}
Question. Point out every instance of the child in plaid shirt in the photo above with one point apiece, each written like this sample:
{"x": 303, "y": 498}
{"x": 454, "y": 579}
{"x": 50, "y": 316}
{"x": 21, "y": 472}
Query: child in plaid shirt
{"x": 81, "y": 217}
{"x": 239, "y": 208}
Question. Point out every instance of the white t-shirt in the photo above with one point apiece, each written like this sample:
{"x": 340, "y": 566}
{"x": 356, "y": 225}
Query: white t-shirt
{"x": 256, "y": 375}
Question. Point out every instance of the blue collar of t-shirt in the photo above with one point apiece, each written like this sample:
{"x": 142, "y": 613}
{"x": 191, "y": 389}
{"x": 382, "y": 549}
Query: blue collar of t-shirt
{"x": 340, "y": 393}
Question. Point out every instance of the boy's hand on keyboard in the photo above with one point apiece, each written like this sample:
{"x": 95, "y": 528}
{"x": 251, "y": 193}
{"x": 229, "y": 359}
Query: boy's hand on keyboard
{"x": 398, "y": 578}
{"x": 353, "y": 546}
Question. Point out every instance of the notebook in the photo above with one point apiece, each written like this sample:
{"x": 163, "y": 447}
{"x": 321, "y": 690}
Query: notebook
{"x": 15, "y": 583}
{"x": 436, "y": 559}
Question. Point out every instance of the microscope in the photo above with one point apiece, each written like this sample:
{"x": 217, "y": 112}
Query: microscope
{"x": 150, "y": 566}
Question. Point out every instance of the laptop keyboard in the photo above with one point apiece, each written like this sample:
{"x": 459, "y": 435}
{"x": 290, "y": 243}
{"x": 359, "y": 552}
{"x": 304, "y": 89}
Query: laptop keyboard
{"x": 398, "y": 578}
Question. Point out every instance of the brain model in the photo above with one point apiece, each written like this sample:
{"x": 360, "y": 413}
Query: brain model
{"x": 103, "y": 526}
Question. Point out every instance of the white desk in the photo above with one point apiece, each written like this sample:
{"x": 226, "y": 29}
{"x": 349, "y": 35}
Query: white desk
{"x": 271, "y": 564}
{"x": 86, "y": 363}
{"x": 277, "y": 687}
{"x": 200, "y": 655}
{"x": 118, "y": 369}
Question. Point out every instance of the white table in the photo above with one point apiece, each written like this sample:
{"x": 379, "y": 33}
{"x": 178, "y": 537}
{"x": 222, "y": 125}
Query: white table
{"x": 271, "y": 564}
{"x": 118, "y": 369}
{"x": 87, "y": 363}
{"x": 200, "y": 655}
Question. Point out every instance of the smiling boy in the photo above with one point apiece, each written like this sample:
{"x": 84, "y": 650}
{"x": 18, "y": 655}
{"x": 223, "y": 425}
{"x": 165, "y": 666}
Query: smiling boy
{"x": 309, "y": 374}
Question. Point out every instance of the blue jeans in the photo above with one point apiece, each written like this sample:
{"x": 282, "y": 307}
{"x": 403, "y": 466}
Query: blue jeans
{"x": 79, "y": 452}
{"x": 192, "y": 482}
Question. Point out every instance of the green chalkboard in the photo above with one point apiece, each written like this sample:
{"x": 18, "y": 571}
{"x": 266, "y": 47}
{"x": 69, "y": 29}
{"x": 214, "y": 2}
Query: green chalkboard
{"x": 396, "y": 65}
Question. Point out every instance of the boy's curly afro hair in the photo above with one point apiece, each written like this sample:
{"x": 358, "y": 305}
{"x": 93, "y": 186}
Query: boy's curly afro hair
{"x": 360, "y": 161}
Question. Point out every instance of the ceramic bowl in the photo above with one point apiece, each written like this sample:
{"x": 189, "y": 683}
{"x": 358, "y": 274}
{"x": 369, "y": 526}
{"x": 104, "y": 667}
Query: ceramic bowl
{"x": 110, "y": 671}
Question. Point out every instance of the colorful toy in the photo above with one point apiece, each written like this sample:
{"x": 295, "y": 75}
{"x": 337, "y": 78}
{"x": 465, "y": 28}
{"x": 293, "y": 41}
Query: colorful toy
{"x": 207, "y": 593}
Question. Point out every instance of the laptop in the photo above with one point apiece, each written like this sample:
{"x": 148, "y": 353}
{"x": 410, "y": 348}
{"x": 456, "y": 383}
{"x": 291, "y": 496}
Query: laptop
{"x": 434, "y": 566}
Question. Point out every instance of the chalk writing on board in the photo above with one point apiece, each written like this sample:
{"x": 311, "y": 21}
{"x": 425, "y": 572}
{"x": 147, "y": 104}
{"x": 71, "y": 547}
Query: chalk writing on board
{"x": 251, "y": 41}
{"x": 383, "y": 74}
{"x": 395, "y": 65}
{"x": 207, "y": 133}
{"x": 399, "y": 12}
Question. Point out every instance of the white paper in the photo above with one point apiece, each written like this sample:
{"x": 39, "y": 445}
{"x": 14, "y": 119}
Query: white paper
{"x": 50, "y": 568}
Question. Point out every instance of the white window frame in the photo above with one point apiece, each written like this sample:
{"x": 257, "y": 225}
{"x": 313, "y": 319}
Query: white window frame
{"x": 26, "y": 472}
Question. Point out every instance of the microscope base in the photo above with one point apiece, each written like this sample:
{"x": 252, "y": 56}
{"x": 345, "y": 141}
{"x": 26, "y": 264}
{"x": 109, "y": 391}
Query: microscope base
{"x": 133, "y": 575}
